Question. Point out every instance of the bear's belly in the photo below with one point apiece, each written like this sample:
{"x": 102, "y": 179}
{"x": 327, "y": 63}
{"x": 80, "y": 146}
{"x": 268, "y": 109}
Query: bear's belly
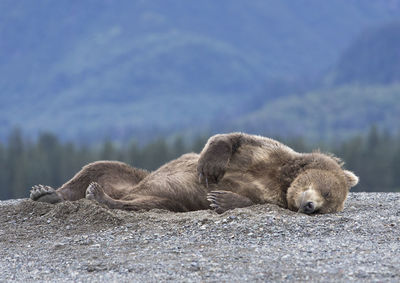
{"x": 178, "y": 181}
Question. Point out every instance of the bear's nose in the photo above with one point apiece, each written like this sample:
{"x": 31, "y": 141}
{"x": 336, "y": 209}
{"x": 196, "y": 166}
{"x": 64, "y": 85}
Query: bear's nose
{"x": 308, "y": 207}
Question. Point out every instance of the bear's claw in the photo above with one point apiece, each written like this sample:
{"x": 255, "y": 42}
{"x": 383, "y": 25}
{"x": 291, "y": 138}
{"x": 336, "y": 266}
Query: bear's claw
{"x": 201, "y": 179}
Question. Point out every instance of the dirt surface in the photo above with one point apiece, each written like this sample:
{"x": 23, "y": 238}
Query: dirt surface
{"x": 83, "y": 241}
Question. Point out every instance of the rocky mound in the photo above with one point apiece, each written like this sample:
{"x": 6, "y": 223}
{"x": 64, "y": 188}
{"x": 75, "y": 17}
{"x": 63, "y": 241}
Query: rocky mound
{"x": 84, "y": 241}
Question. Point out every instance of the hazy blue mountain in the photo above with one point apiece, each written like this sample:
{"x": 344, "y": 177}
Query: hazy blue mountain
{"x": 328, "y": 114}
{"x": 88, "y": 70}
{"x": 373, "y": 58}
{"x": 362, "y": 89}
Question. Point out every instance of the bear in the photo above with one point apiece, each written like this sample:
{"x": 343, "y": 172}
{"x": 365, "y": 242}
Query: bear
{"x": 233, "y": 170}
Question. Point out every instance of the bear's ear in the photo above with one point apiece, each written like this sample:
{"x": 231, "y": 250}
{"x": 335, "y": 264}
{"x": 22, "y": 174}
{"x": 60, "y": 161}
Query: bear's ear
{"x": 352, "y": 179}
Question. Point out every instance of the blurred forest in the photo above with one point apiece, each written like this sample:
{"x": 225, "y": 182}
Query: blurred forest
{"x": 375, "y": 158}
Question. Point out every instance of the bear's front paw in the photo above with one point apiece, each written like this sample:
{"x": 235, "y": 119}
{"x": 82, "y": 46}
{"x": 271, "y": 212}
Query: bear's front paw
{"x": 212, "y": 163}
{"x": 211, "y": 173}
{"x": 217, "y": 202}
{"x": 222, "y": 201}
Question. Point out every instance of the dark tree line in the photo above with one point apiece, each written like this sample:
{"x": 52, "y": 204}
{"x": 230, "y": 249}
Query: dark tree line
{"x": 375, "y": 158}
{"x": 47, "y": 161}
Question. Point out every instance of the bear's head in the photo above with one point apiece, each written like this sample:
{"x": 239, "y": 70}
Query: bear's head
{"x": 321, "y": 190}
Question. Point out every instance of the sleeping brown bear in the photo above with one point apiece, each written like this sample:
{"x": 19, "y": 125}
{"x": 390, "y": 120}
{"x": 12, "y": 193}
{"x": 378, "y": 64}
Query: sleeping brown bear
{"x": 233, "y": 170}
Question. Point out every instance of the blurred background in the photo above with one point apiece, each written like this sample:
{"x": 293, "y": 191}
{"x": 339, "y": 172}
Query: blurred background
{"x": 145, "y": 81}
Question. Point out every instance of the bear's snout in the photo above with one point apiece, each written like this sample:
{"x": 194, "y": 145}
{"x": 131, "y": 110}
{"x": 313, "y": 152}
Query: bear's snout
{"x": 309, "y": 201}
{"x": 308, "y": 207}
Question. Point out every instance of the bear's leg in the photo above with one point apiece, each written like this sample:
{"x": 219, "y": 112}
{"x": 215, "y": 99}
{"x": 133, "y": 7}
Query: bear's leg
{"x": 74, "y": 189}
{"x": 222, "y": 201}
{"x": 96, "y": 192}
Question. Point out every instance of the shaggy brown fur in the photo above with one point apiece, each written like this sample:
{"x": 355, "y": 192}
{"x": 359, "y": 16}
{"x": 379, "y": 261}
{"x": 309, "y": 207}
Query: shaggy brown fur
{"x": 233, "y": 170}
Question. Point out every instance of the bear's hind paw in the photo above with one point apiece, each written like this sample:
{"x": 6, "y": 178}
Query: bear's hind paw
{"x": 44, "y": 194}
{"x": 94, "y": 192}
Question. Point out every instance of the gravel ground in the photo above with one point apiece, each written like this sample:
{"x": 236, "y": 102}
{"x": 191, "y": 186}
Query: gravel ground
{"x": 83, "y": 241}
